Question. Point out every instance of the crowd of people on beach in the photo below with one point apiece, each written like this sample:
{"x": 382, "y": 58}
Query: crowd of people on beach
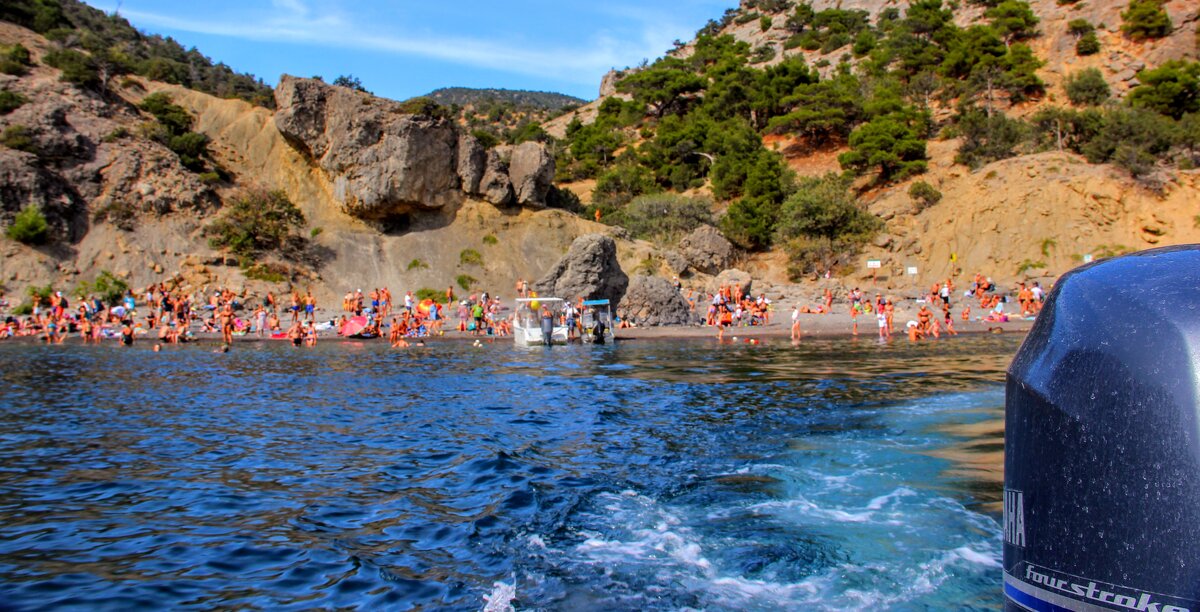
{"x": 173, "y": 316}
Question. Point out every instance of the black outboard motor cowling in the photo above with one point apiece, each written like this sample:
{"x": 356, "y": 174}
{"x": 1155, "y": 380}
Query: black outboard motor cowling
{"x": 1102, "y": 441}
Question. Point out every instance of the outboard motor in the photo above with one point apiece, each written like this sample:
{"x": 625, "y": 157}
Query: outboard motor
{"x": 1102, "y": 441}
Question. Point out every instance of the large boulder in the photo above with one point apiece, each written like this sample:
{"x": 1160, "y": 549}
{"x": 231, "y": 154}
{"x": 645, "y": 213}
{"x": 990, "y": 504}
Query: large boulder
{"x": 531, "y": 171}
{"x": 732, "y": 278}
{"x": 706, "y": 250}
{"x": 383, "y": 161}
{"x": 472, "y": 162}
{"x": 589, "y": 270}
{"x": 654, "y": 301}
{"x": 495, "y": 186}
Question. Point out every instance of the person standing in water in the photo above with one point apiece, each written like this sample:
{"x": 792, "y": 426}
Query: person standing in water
{"x": 547, "y": 324}
{"x": 226, "y": 314}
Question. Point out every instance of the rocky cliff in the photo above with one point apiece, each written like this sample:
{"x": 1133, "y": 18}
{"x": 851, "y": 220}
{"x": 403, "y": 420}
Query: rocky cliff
{"x": 390, "y": 198}
{"x": 386, "y": 159}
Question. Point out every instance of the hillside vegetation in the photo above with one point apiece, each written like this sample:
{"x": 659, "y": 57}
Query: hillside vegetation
{"x": 886, "y": 82}
{"x": 518, "y": 98}
{"x": 95, "y": 47}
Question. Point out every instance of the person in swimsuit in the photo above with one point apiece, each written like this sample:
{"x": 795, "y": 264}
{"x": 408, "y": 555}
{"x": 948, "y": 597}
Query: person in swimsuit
{"x": 226, "y": 314}
{"x": 296, "y": 334}
{"x": 127, "y": 334}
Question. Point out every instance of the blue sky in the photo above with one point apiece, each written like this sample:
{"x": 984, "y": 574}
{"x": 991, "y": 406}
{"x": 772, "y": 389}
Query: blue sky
{"x": 404, "y": 48}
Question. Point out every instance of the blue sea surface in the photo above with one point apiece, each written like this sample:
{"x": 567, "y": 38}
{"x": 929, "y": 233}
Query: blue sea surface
{"x": 666, "y": 474}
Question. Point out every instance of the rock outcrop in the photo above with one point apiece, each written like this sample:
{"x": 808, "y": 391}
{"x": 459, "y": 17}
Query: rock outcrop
{"x": 384, "y": 161}
{"x": 496, "y": 187}
{"x": 706, "y": 250}
{"x": 78, "y": 157}
{"x": 531, "y": 172}
{"x": 732, "y": 278}
{"x": 381, "y": 160}
{"x": 472, "y": 161}
{"x": 653, "y": 301}
{"x": 589, "y": 270}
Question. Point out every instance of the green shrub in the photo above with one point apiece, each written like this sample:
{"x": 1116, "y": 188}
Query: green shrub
{"x": 316, "y": 231}
{"x": 764, "y": 23}
{"x": 486, "y": 139}
{"x": 425, "y": 293}
{"x": 18, "y": 137}
{"x": 209, "y": 178}
{"x": 1088, "y": 44}
{"x": 988, "y": 138}
{"x": 620, "y": 184}
{"x": 256, "y": 221}
{"x": 1087, "y": 87}
{"x": 118, "y": 133}
{"x": 666, "y": 217}
{"x": 893, "y": 144}
{"x": 29, "y": 226}
{"x": 110, "y": 289}
{"x": 470, "y": 257}
{"x": 765, "y": 53}
{"x": 1145, "y": 19}
{"x": 77, "y": 68}
{"x": 266, "y": 272}
{"x": 15, "y": 60}
{"x": 1079, "y": 27}
{"x": 417, "y": 264}
{"x": 425, "y": 107}
{"x": 491, "y": 240}
{"x": 10, "y": 101}
{"x": 465, "y": 281}
{"x": 924, "y": 194}
{"x": 1028, "y": 265}
{"x": 1172, "y": 89}
{"x": 821, "y": 222}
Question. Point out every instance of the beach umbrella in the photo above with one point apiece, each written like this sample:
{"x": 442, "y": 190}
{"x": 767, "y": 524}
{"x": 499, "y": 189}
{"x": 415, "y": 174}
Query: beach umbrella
{"x": 354, "y": 325}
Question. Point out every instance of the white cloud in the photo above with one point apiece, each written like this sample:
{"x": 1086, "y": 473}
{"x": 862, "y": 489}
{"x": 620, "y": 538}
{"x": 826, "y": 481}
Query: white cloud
{"x": 292, "y": 23}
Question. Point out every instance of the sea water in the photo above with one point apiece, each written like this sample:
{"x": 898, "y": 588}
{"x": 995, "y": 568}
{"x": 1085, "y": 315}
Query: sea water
{"x": 672, "y": 474}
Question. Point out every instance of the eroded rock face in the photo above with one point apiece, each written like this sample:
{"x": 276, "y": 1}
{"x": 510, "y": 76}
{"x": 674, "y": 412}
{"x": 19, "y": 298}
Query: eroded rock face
{"x": 384, "y": 161}
{"x": 381, "y": 160}
{"x": 531, "y": 171}
{"x": 589, "y": 270}
{"x": 496, "y": 186}
{"x": 653, "y": 301}
{"x": 706, "y": 250}
{"x": 472, "y": 161}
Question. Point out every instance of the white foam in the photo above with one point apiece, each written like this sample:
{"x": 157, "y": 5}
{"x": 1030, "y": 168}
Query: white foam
{"x": 500, "y": 599}
{"x": 879, "y": 502}
{"x": 973, "y": 556}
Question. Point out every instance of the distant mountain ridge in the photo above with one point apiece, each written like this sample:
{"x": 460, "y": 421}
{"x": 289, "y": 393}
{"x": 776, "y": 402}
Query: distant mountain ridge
{"x": 545, "y": 100}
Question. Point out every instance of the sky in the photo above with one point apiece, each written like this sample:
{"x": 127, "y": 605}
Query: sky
{"x": 406, "y": 48}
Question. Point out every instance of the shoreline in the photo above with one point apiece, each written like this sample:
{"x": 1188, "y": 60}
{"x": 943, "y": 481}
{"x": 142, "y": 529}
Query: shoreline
{"x": 815, "y": 326}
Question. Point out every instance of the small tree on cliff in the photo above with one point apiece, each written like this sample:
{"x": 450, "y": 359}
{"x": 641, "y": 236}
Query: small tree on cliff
{"x": 257, "y": 221}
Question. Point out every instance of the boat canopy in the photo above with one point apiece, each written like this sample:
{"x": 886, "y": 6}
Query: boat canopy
{"x": 596, "y": 303}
